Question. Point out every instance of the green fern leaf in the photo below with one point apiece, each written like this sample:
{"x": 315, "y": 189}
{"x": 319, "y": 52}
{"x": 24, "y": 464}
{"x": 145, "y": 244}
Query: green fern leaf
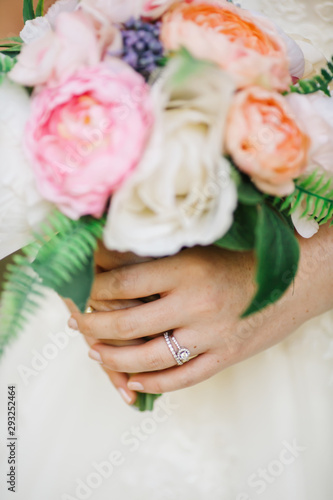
{"x": 315, "y": 194}
{"x": 60, "y": 254}
{"x": 317, "y": 83}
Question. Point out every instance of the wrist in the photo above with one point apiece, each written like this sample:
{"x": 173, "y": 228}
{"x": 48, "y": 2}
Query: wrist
{"x": 314, "y": 279}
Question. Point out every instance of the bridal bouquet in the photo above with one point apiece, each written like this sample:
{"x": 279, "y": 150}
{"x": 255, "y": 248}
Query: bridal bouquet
{"x": 156, "y": 125}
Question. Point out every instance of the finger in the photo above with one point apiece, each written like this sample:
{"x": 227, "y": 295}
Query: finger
{"x": 112, "y": 305}
{"x": 119, "y": 381}
{"x": 134, "y": 281}
{"x": 70, "y": 305}
{"x": 107, "y": 259}
{"x": 150, "y": 356}
{"x": 195, "y": 371}
{"x": 145, "y": 320}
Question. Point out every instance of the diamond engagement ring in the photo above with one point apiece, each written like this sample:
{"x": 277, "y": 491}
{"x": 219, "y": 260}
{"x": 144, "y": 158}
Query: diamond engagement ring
{"x": 182, "y": 355}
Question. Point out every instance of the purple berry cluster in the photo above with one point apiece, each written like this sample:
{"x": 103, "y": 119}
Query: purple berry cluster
{"x": 142, "y": 47}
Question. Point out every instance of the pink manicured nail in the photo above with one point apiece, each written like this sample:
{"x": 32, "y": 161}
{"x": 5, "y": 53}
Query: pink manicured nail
{"x": 135, "y": 386}
{"x": 95, "y": 356}
{"x": 126, "y": 397}
{"x": 72, "y": 323}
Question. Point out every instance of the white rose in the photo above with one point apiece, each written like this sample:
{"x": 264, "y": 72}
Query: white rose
{"x": 36, "y": 28}
{"x": 22, "y": 208}
{"x": 181, "y": 194}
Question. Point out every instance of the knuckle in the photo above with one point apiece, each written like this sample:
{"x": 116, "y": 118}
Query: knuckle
{"x": 159, "y": 387}
{"x": 125, "y": 325}
{"x": 207, "y": 304}
{"x": 86, "y": 324}
{"x": 122, "y": 280}
{"x": 185, "y": 379}
{"x": 153, "y": 361}
{"x": 100, "y": 293}
{"x": 111, "y": 363}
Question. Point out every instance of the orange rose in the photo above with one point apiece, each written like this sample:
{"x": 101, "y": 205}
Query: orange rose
{"x": 265, "y": 141}
{"x": 249, "y": 47}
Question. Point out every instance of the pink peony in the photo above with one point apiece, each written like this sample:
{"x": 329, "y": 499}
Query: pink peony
{"x": 155, "y": 8}
{"x": 75, "y": 43}
{"x": 265, "y": 141}
{"x": 247, "y": 46}
{"x": 85, "y": 136}
{"x": 120, "y": 11}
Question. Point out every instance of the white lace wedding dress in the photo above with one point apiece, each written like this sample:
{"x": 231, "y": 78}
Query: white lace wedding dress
{"x": 262, "y": 429}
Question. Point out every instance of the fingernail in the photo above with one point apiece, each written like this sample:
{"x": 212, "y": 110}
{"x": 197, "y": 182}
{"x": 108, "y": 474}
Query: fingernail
{"x": 95, "y": 356}
{"x": 135, "y": 386}
{"x": 126, "y": 397}
{"x": 72, "y": 323}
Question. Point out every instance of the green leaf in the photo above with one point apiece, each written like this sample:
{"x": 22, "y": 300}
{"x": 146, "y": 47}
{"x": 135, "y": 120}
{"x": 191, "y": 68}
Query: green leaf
{"x": 78, "y": 289}
{"x": 28, "y": 10}
{"x": 316, "y": 83}
{"x": 19, "y": 296}
{"x": 6, "y": 64}
{"x": 59, "y": 258}
{"x": 188, "y": 66}
{"x": 248, "y": 194}
{"x": 277, "y": 252}
{"x": 40, "y": 8}
{"x": 145, "y": 402}
{"x": 12, "y": 48}
{"x": 241, "y": 235}
{"x": 16, "y": 39}
{"x": 314, "y": 194}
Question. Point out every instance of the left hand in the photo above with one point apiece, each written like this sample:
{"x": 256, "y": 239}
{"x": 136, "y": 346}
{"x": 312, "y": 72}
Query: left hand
{"x": 203, "y": 292}
{"x": 107, "y": 261}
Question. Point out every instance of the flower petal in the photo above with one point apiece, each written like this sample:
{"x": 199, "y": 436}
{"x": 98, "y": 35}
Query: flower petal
{"x": 304, "y": 226}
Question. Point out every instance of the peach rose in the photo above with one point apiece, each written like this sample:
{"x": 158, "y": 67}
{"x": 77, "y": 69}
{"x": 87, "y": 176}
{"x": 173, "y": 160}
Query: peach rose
{"x": 247, "y": 46}
{"x": 265, "y": 140}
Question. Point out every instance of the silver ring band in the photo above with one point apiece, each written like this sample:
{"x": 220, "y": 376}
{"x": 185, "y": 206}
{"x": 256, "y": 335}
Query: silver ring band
{"x": 182, "y": 355}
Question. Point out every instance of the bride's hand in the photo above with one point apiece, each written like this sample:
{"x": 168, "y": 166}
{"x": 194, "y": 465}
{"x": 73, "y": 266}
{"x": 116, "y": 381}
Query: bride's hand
{"x": 202, "y": 292}
{"x": 106, "y": 261}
